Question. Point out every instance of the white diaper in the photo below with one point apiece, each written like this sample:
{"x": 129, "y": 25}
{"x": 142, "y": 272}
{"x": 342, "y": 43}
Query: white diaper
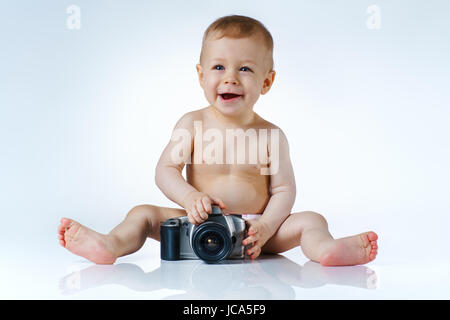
{"x": 251, "y": 216}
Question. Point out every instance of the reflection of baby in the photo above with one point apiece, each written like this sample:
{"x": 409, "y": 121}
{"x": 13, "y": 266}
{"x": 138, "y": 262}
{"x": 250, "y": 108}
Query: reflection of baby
{"x": 276, "y": 278}
{"x": 236, "y": 67}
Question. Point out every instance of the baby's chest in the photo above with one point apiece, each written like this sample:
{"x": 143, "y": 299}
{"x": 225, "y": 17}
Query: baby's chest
{"x": 244, "y": 170}
{"x": 235, "y": 150}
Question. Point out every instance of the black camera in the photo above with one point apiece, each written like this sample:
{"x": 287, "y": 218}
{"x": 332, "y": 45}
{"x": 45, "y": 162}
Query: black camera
{"x": 218, "y": 238}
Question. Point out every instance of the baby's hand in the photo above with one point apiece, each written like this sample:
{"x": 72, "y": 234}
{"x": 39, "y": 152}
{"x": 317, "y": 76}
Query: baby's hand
{"x": 198, "y": 206}
{"x": 258, "y": 234}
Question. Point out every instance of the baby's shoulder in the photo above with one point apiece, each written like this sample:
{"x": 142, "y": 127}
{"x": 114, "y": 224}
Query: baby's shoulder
{"x": 272, "y": 128}
{"x": 262, "y": 123}
{"x": 187, "y": 120}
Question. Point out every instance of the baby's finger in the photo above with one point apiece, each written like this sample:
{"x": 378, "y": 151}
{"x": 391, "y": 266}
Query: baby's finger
{"x": 219, "y": 202}
{"x": 190, "y": 217}
{"x": 255, "y": 255}
{"x": 250, "y": 239}
{"x": 195, "y": 215}
{"x": 201, "y": 211}
{"x": 206, "y": 201}
{"x": 254, "y": 251}
{"x": 252, "y": 230}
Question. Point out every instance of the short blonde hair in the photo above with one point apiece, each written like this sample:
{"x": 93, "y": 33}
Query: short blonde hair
{"x": 236, "y": 26}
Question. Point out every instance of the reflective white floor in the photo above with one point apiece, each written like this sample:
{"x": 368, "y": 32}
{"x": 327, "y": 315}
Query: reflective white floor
{"x": 56, "y": 274}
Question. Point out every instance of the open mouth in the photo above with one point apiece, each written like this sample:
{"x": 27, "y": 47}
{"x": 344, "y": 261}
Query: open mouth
{"x": 229, "y": 96}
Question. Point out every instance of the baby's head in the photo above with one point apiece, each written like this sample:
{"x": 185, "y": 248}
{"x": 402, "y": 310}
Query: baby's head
{"x": 236, "y": 58}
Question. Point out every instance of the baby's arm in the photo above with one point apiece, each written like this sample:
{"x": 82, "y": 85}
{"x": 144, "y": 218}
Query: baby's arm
{"x": 170, "y": 180}
{"x": 168, "y": 176}
{"x": 283, "y": 191}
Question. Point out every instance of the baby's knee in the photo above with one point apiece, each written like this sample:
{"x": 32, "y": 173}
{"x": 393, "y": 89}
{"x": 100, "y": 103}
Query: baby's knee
{"x": 311, "y": 219}
{"x": 142, "y": 211}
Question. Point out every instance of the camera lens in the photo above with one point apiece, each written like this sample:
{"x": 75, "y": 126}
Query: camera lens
{"x": 211, "y": 242}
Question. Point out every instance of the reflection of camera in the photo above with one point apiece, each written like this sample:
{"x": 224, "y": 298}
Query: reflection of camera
{"x": 218, "y": 238}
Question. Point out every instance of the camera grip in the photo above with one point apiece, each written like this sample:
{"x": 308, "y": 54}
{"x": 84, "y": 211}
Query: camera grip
{"x": 170, "y": 241}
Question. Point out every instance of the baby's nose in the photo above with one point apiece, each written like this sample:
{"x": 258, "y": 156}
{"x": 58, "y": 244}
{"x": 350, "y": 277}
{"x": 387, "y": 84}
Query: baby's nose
{"x": 230, "y": 79}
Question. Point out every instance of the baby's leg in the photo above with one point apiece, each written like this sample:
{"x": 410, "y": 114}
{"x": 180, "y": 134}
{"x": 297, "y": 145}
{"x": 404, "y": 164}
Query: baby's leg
{"x": 129, "y": 236}
{"x": 310, "y": 230}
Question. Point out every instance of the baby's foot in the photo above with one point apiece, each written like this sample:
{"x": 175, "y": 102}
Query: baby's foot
{"x": 359, "y": 249}
{"x": 85, "y": 242}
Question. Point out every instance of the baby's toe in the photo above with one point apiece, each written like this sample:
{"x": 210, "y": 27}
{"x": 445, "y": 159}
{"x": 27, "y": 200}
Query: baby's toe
{"x": 372, "y": 236}
{"x": 62, "y": 230}
{"x": 65, "y": 223}
{"x": 373, "y": 252}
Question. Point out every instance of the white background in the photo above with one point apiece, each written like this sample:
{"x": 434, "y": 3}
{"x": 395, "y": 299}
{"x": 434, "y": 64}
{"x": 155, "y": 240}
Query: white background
{"x": 86, "y": 113}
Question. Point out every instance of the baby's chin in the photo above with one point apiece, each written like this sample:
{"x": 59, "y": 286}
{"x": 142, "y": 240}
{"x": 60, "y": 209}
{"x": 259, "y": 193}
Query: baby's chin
{"x": 230, "y": 110}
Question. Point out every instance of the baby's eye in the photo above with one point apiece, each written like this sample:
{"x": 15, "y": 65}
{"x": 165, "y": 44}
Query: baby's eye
{"x": 248, "y": 69}
{"x": 217, "y": 67}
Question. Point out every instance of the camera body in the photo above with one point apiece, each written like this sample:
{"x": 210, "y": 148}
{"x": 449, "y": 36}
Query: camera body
{"x": 218, "y": 238}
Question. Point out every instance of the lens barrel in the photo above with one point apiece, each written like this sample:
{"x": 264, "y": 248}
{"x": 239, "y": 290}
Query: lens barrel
{"x": 211, "y": 242}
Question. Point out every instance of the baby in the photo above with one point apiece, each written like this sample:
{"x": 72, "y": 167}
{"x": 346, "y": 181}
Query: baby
{"x": 236, "y": 67}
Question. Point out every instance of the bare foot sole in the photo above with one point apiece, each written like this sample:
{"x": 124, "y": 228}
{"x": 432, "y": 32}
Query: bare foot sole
{"x": 84, "y": 242}
{"x": 359, "y": 249}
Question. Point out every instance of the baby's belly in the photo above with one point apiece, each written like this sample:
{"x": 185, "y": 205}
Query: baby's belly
{"x": 241, "y": 194}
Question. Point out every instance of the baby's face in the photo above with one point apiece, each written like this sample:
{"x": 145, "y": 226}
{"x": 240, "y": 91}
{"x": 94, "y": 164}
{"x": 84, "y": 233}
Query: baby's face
{"x": 235, "y": 66}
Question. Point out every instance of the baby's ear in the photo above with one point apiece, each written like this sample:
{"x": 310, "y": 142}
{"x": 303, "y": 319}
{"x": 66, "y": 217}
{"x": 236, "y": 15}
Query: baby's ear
{"x": 268, "y": 81}
{"x": 200, "y": 73}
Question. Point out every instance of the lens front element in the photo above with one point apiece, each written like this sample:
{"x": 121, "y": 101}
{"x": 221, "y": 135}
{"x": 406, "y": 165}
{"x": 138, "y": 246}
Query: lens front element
{"x": 211, "y": 242}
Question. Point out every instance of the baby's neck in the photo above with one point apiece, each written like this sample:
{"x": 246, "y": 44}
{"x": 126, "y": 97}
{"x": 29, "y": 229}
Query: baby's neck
{"x": 242, "y": 120}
